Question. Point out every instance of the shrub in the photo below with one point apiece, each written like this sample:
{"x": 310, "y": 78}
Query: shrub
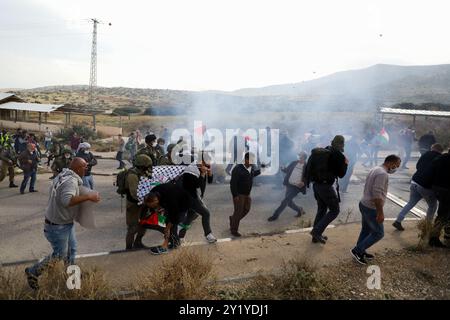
{"x": 185, "y": 275}
{"x": 86, "y": 132}
{"x": 125, "y": 111}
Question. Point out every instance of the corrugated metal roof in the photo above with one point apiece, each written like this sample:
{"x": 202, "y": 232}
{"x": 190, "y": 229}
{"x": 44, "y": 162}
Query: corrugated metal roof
{"x": 410, "y": 112}
{"x": 4, "y": 95}
{"x": 34, "y": 107}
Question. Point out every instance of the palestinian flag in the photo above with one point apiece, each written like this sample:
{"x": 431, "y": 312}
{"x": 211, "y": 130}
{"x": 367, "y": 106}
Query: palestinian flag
{"x": 155, "y": 221}
{"x": 384, "y": 136}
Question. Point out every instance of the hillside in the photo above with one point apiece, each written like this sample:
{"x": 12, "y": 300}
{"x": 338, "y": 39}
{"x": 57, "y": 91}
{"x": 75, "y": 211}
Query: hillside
{"x": 353, "y": 90}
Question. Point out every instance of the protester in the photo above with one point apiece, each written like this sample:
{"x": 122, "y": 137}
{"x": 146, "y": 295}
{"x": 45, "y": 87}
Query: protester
{"x": 175, "y": 201}
{"x": 55, "y": 150}
{"x": 407, "y": 137}
{"x": 294, "y": 185}
{"x": 426, "y": 141}
{"x": 421, "y": 186}
{"x": 75, "y": 141}
{"x": 371, "y": 207}
{"x": 142, "y": 167}
{"x": 193, "y": 178}
{"x": 20, "y": 141}
{"x": 29, "y": 160}
{"x": 352, "y": 150}
{"x": 241, "y": 186}
{"x": 59, "y": 227}
{"x": 324, "y": 167}
{"x": 441, "y": 187}
{"x": 85, "y": 153}
{"x": 8, "y": 159}
{"x": 120, "y": 151}
{"x": 47, "y": 138}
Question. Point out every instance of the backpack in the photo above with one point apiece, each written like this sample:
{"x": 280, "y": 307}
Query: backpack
{"x": 121, "y": 181}
{"x": 318, "y": 166}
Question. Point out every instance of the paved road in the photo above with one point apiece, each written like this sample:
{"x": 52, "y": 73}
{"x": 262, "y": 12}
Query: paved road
{"x": 21, "y": 216}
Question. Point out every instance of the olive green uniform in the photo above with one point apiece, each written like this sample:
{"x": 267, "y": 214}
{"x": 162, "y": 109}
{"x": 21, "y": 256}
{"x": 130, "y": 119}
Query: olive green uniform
{"x": 6, "y": 168}
{"x": 60, "y": 163}
{"x": 153, "y": 152}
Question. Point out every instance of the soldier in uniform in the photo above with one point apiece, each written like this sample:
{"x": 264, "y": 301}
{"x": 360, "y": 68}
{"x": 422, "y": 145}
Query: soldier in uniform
{"x": 61, "y": 162}
{"x": 142, "y": 166}
{"x": 8, "y": 159}
{"x": 151, "y": 149}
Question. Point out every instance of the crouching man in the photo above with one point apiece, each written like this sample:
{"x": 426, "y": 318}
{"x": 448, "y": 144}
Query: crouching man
{"x": 176, "y": 202}
{"x": 59, "y": 218}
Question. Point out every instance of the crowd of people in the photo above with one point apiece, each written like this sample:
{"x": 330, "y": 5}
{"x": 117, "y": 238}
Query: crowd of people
{"x": 321, "y": 168}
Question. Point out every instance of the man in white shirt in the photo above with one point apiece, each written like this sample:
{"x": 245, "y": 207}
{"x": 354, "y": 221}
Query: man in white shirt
{"x": 371, "y": 207}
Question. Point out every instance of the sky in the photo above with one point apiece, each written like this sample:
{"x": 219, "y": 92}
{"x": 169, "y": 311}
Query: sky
{"x": 211, "y": 44}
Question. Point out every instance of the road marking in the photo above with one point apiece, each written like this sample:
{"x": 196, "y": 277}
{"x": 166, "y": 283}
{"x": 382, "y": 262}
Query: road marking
{"x": 305, "y": 229}
{"x": 406, "y": 219}
{"x": 415, "y": 211}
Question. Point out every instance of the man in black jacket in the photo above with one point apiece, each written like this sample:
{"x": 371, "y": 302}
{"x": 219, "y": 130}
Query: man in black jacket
{"x": 294, "y": 185}
{"x": 241, "y": 185}
{"x": 421, "y": 186}
{"x": 85, "y": 154}
{"x": 426, "y": 141}
{"x": 175, "y": 201}
{"x": 441, "y": 187}
{"x": 323, "y": 168}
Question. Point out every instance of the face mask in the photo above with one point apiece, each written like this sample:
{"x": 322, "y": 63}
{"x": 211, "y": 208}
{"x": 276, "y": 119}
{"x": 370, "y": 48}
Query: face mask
{"x": 86, "y": 151}
{"x": 154, "y": 144}
{"x": 67, "y": 156}
{"x": 391, "y": 170}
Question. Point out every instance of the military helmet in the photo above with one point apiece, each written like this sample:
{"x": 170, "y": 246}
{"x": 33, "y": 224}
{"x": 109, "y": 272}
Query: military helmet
{"x": 66, "y": 150}
{"x": 142, "y": 160}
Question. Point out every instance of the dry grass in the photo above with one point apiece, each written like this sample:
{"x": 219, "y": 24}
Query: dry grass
{"x": 424, "y": 226}
{"x": 302, "y": 224}
{"x": 53, "y": 285}
{"x": 297, "y": 280}
{"x": 184, "y": 275}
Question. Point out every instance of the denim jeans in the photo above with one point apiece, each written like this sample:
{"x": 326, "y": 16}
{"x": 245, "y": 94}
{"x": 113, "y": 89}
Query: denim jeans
{"x": 327, "y": 199}
{"x": 371, "y": 231}
{"x": 417, "y": 193}
{"x": 198, "y": 207}
{"x": 288, "y": 201}
{"x": 26, "y": 177}
{"x": 64, "y": 244}
{"x": 88, "y": 182}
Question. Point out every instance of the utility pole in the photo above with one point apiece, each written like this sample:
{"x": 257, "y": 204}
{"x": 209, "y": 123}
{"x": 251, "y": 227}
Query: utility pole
{"x": 93, "y": 74}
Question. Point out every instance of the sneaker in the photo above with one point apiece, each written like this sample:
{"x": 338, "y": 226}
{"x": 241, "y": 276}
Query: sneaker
{"x": 272, "y": 218}
{"x": 31, "y": 279}
{"x": 359, "y": 258}
{"x": 316, "y": 238}
{"x": 210, "y": 238}
{"x": 300, "y": 213}
{"x": 158, "y": 250}
{"x": 236, "y": 234}
{"x": 436, "y": 243}
{"x": 368, "y": 256}
{"x": 12, "y": 185}
{"x": 31, "y": 191}
{"x": 22, "y": 192}
{"x": 398, "y": 225}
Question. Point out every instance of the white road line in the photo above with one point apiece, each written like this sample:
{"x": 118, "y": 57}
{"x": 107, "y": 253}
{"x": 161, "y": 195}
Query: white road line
{"x": 406, "y": 219}
{"x": 415, "y": 211}
{"x": 90, "y": 255}
{"x": 305, "y": 229}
